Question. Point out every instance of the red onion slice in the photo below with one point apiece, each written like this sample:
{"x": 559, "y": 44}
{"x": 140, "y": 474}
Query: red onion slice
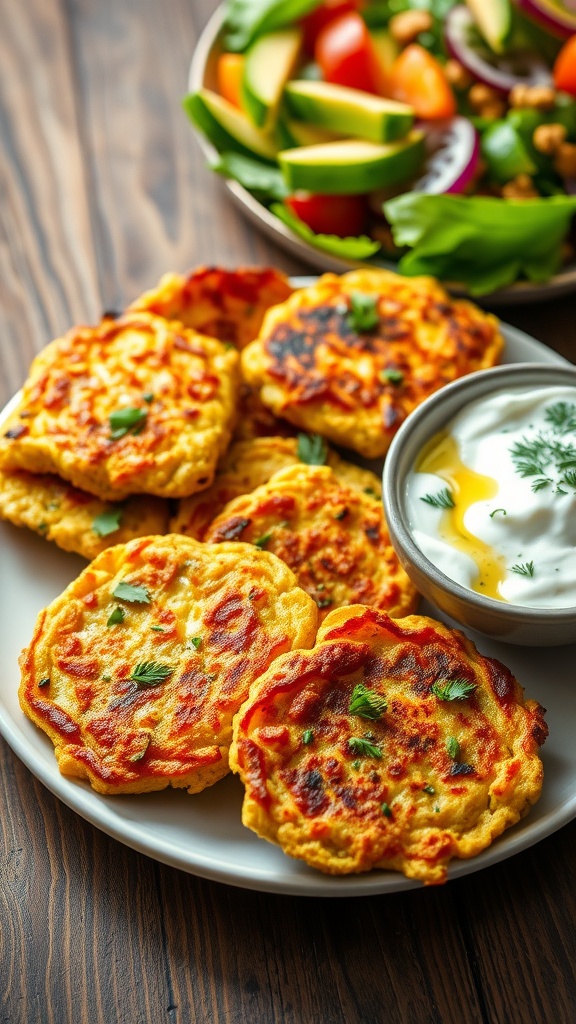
{"x": 500, "y": 72}
{"x": 453, "y": 147}
{"x": 560, "y": 21}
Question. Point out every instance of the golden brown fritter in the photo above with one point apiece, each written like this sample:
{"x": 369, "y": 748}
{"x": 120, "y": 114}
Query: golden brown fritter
{"x": 134, "y": 405}
{"x": 75, "y": 520}
{"x": 351, "y": 356}
{"x": 225, "y": 304}
{"x": 391, "y": 744}
{"x": 332, "y": 535}
{"x": 136, "y": 671}
{"x": 249, "y": 464}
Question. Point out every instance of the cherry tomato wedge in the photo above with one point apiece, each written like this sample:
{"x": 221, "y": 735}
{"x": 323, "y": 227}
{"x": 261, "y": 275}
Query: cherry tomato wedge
{"x": 418, "y": 79}
{"x": 330, "y": 215}
{"x": 229, "y": 72}
{"x": 344, "y": 52}
{"x": 565, "y": 67}
{"x": 313, "y": 23}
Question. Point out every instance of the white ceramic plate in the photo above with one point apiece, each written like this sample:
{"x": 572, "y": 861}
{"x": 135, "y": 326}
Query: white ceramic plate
{"x": 203, "y": 834}
{"x": 203, "y": 73}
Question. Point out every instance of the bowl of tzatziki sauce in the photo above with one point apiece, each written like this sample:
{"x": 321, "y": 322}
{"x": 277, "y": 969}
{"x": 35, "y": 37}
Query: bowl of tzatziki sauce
{"x": 480, "y": 500}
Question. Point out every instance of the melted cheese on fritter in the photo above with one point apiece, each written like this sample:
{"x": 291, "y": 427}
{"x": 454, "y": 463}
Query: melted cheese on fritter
{"x": 225, "y": 304}
{"x": 246, "y": 466}
{"x": 136, "y": 670}
{"x": 75, "y": 520}
{"x": 314, "y": 368}
{"x": 332, "y": 535}
{"x": 181, "y": 386}
{"x": 351, "y": 761}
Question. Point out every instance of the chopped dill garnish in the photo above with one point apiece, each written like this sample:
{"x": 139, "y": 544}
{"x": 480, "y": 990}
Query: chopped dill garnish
{"x": 524, "y": 569}
{"x": 443, "y": 499}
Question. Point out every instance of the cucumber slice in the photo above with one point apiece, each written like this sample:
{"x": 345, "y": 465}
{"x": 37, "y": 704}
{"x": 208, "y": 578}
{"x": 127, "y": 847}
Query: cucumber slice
{"x": 352, "y": 167}
{"x": 269, "y": 63}
{"x": 227, "y": 128}
{"x": 348, "y": 111}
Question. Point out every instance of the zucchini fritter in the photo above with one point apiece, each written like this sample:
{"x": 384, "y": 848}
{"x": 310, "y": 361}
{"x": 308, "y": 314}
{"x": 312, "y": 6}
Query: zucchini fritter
{"x": 351, "y": 356}
{"x": 75, "y": 520}
{"x": 249, "y": 464}
{"x": 136, "y": 671}
{"x": 225, "y": 304}
{"x": 391, "y": 744}
{"x": 331, "y": 534}
{"x": 134, "y": 405}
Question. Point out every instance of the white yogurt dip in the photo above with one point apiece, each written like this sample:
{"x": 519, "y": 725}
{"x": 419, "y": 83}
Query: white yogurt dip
{"x": 492, "y": 499}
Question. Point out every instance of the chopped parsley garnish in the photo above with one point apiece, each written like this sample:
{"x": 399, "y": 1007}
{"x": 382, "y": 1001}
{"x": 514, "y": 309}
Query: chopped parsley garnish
{"x": 116, "y": 617}
{"x": 341, "y": 514}
{"x": 453, "y": 748}
{"x": 126, "y": 421}
{"x": 263, "y": 540}
{"x": 158, "y": 629}
{"x": 148, "y": 397}
{"x": 149, "y": 673}
{"x": 502, "y": 510}
{"x": 386, "y": 810}
{"x": 134, "y": 595}
{"x": 312, "y": 449}
{"x": 357, "y": 745}
{"x": 371, "y": 492}
{"x": 307, "y": 737}
{"x": 453, "y": 689}
{"x": 366, "y": 703}
{"x": 526, "y": 569}
{"x": 108, "y": 521}
{"x": 45, "y": 681}
{"x": 363, "y": 313}
{"x": 324, "y": 602}
{"x": 140, "y": 754}
{"x": 196, "y": 641}
{"x": 443, "y": 499}
{"x": 395, "y": 377}
{"x": 42, "y": 526}
{"x": 428, "y": 789}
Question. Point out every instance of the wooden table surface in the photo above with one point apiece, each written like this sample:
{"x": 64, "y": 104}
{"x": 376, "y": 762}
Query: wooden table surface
{"x": 102, "y": 189}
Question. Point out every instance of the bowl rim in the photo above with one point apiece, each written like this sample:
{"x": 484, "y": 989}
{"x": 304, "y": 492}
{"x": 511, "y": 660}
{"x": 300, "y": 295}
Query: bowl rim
{"x": 518, "y": 293}
{"x": 400, "y": 458}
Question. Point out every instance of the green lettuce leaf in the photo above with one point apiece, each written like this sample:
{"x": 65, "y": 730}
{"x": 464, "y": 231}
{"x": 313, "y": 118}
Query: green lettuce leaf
{"x": 482, "y": 242}
{"x": 263, "y": 179}
{"x": 246, "y": 19}
{"x": 359, "y": 248}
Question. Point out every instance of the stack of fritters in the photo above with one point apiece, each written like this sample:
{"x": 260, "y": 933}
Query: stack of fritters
{"x": 116, "y": 419}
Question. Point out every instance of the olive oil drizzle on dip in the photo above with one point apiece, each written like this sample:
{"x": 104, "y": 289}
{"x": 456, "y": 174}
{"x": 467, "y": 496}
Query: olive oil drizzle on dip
{"x": 441, "y": 457}
{"x": 491, "y": 500}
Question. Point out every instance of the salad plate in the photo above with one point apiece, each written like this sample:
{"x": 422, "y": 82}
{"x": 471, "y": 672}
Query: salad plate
{"x": 202, "y": 74}
{"x": 203, "y": 834}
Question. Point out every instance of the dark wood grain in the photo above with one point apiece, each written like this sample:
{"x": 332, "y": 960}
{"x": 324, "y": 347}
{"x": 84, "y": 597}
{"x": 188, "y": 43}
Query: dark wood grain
{"x": 102, "y": 189}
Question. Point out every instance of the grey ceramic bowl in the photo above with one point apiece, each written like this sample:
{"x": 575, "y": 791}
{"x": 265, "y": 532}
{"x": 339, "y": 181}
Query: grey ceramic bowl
{"x": 515, "y": 624}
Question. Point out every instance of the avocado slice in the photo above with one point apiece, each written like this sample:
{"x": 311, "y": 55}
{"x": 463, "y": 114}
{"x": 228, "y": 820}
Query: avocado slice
{"x": 269, "y": 63}
{"x": 348, "y": 111}
{"x": 494, "y": 20}
{"x": 227, "y": 128}
{"x": 296, "y": 133}
{"x": 352, "y": 166}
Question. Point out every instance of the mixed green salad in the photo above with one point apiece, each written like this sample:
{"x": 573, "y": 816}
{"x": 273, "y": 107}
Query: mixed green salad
{"x": 437, "y": 134}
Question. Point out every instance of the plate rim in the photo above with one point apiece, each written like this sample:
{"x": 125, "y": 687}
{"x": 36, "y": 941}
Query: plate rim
{"x": 297, "y": 879}
{"x": 518, "y": 293}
